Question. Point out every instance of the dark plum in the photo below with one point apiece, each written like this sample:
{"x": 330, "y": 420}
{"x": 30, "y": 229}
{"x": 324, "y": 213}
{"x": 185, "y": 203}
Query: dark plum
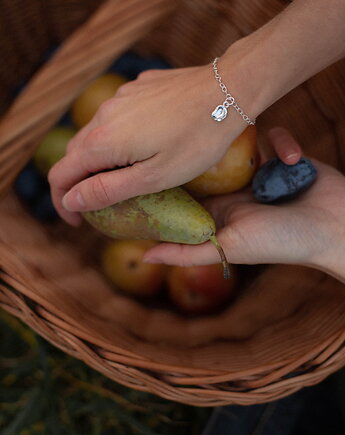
{"x": 276, "y": 181}
{"x": 44, "y": 209}
{"x": 34, "y": 190}
{"x": 131, "y": 64}
{"x": 30, "y": 184}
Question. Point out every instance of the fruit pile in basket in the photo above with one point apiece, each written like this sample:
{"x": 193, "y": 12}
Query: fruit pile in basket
{"x": 193, "y": 290}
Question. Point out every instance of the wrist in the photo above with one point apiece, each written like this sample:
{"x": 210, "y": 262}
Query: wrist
{"x": 285, "y": 52}
{"x": 245, "y": 72}
{"x": 332, "y": 260}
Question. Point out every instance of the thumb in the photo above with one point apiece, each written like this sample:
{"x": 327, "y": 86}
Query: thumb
{"x": 176, "y": 254}
{"x": 107, "y": 188}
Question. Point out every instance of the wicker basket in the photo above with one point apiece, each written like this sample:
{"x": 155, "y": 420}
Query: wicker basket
{"x": 287, "y": 329}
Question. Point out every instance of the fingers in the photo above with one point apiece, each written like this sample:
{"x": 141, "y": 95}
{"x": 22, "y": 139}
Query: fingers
{"x": 221, "y": 207}
{"x": 92, "y": 150}
{"x": 67, "y": 172}
{"x": 73, "y": 219}
{"x": 182, "y": 255}
{"x": 92, "y": 154}
{"x": 285, "y": 146}
{"x": 107, "y": 188}
{"x": 79, "y": 137}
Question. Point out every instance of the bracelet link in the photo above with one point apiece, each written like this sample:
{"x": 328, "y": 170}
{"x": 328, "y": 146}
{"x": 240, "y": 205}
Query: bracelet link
{"x": 221, "y": 112}
{"x": 229, "y": 101}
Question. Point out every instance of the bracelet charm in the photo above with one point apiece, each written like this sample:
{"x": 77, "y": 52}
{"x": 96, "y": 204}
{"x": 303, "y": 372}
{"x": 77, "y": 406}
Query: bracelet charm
{"x": 221, "y": 111}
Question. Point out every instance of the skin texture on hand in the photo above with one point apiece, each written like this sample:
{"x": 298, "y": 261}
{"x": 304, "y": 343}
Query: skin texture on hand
{"x": 155, "y": 133}
{"x": 306, "y": 37}
{"x": 309, "y": 230}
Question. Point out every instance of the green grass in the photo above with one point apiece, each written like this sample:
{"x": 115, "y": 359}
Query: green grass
{"x": 44, "y": 391}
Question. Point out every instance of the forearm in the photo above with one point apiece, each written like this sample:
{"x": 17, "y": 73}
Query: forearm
{"x": 335, "y": 270}
{"x": 305, "y": 38}
{"x": 333, "y": 263}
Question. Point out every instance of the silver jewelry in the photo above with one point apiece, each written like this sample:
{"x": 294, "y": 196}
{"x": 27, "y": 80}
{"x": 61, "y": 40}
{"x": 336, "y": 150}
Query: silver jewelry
{"x": 221, "y": 111}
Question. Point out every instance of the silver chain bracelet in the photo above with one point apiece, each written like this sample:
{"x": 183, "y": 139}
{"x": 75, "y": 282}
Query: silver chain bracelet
{"x": 221, "y": 111}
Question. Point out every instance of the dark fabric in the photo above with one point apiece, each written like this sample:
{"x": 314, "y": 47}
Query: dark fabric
{"x": 317, "y": 410}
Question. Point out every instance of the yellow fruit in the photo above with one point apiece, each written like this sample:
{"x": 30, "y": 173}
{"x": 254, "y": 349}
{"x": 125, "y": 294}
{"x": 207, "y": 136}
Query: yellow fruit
{"x": 171, "y": 215}
{"x": 52, "y": 148}
{"x": 122, "y": 264}
{"x": 88, "y": 102}
{"x": 233, "y": 172}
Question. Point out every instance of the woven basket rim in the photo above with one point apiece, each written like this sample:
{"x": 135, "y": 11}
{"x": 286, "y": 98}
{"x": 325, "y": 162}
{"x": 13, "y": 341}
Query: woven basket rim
{"x": 184, "y": 383}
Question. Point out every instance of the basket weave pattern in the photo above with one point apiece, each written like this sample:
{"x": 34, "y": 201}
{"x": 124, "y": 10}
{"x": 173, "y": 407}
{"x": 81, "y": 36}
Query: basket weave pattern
{"x": 286, "y": 331}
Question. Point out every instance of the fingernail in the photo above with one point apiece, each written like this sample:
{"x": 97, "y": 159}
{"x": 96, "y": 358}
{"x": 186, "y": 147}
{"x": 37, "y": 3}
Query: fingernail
{"x": 73, "y": 201}
{"x": 152, "y": 260}
{"x": 292, "y": 156}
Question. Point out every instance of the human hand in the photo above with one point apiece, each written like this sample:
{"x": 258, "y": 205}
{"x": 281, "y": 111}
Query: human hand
{"x": 309, "y": 230}
{"x": 155, "y": 133}
{"x": 158, "y": 128}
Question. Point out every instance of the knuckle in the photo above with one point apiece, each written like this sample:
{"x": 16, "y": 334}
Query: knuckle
{"x": 54, "y": 174}
{"x": 71, "y": 145}
{"x": 232, "y": 238}
{"x": 105, "y": 110}
{"x": 51, "y": 176}
{"x": 124, "y": 90}
{"x": 153, "y": 178}
{"x": 100, "y": 191}
{"x": 148, "y": 74}
{"x": 184, "y": 259}
{"x": 95, "y": 137}
{"x": 76, "y": 140}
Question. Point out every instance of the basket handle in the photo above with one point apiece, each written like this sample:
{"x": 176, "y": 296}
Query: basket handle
{"x": 114, "y": 27}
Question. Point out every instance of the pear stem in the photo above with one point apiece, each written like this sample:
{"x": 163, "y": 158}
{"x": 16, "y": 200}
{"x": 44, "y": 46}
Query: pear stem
{"x": 226, "y": 267}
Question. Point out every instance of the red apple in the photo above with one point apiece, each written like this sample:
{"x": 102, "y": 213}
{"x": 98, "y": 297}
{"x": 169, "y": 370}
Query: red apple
{"x": 200, "y": 289}
{"x": 122, "y": 264}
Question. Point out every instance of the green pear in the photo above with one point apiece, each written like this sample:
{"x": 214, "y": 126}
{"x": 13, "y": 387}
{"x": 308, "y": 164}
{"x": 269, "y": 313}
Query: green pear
{"x": 169, "y": 216}
{"x": 52, "y": 148}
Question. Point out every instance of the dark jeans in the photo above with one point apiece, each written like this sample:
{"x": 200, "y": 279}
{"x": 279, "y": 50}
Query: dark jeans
{"x": 317, "y": 410}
